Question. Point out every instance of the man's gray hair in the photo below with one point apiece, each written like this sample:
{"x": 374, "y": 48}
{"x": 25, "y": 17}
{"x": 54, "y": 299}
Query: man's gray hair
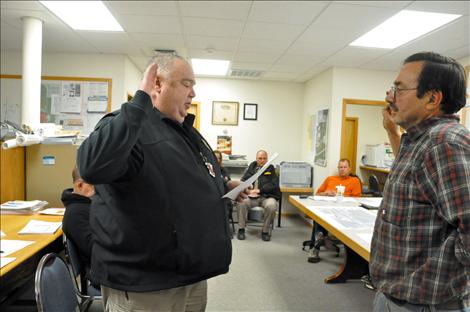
{"x": 165, "y": 62}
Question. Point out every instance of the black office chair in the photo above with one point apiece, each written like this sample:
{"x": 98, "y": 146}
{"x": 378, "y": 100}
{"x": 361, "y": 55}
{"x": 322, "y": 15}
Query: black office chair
{"x": 54, "y": 287}
{"x": 78, "y": 270}
{"x": 374, "y": 188}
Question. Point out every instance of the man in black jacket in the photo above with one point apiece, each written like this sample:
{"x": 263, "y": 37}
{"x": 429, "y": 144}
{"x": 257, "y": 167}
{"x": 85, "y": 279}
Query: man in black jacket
{"x": 265, "y": 193}
{"x": 159, "y": 221}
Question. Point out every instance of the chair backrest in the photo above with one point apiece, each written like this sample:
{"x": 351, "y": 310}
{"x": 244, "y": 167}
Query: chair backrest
{"x": 78, "y": 269}
{"x": 374, "y": 185}
{"x": 54, "y": 286}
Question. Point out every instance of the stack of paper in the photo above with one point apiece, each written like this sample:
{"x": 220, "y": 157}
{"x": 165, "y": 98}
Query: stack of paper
{"x": 40, "y": 227}
{"x": 22, "y": 207}
{"x": 370, "y": 202}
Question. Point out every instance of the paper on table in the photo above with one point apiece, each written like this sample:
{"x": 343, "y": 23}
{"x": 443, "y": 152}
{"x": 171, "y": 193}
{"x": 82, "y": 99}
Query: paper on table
{"x": 40, "y": 227}
{"x": 5, "y": 260}
{"x": 53, "y": 211}
{"x": 10, "y": 246}
{"x": 371, "y": 201}
{"x": 233, "y": 194}
{"x": 2, "y": 234}
{"x": 333, "y": 199}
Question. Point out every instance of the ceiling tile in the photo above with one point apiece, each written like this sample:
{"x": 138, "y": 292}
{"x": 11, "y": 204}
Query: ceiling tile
{"x": 216, "y": 43}
{"x": 13, "y": 18}
{"x": 150, "y": 24}
{"x": 279, "y": 76}
{"x": 453, "y": 35}
{"x": 317, "y": 48}
{"x": 306, "y": 60}
{"x": 151, "y": 42}
{"x": 236, "y": 10}
{"x": 262, "y": 45}
{"x": 257, "y": 30}
{"x": 345, "y": 23}
{"x": 255, "y": 57}
{"x": 298, "y": 69}
{"x": 23, "y": 5}
{"x": 216, "y": 55}
{"x": 451, "y": 7}
{"x": 354, "y": 57}
{"x": 396, "y": 5}
{"x": 113, "y": 43}
{"x": 168, "y": 8}
{"x": 212, "y": 27}
{"x": 286, "y": 12}
{"x": 250, "y": 66}
{"x": 459, "y": 52}
{"x": 65, "y": 41}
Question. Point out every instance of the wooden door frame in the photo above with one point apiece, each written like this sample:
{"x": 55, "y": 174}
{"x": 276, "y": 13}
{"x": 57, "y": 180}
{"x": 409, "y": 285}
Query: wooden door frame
{"x": 353, "y": 161}
{"x": 347, "y": 101}
{"x": 198, "y": 114}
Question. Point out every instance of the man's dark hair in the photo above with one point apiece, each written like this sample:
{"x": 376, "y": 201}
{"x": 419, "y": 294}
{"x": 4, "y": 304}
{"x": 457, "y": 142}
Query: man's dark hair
{"x": 441, "y": 73}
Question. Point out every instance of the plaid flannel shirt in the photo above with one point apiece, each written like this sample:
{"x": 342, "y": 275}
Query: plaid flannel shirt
{"x": 420, "y": 250}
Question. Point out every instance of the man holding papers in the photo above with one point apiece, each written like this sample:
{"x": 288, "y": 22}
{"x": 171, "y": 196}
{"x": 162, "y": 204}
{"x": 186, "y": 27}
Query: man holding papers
{"x": 265, "y": 193}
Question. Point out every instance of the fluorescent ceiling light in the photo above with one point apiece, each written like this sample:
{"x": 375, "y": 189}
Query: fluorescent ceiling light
{"x": 210, "y": 67}
{"x": 403, "y": 27}
{"x": 84, "y": 15}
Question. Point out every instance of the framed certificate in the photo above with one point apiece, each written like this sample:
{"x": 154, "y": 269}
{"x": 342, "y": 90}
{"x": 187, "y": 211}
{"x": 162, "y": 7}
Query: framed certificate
{"x": 250, "y": 111}
{"x": 224, "y": 113}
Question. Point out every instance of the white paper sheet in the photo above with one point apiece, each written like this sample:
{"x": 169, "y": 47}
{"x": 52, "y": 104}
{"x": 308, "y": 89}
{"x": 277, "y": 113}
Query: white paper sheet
{"x": 332, "y": 199}
{"x": 233, "y": 194}
{"x": 5, "y": 260}
{"x": 10, "y": 246}
{"x": 53, "y": 211}
{"x": 40, "y": 227}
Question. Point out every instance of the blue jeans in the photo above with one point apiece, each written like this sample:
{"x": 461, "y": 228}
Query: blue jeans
{"x": 383, "y": 304}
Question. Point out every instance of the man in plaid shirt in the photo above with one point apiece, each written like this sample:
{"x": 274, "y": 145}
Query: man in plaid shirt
{"x": 420, "y": 251}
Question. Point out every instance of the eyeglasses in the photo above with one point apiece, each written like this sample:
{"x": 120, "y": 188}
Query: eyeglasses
{"x": 394, "y": 90}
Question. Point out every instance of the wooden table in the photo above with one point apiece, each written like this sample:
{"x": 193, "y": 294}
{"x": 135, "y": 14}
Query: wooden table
{"x": 291, "y": 190}
{"x": 16, "y": 274}
{"x": 355, "y": 239}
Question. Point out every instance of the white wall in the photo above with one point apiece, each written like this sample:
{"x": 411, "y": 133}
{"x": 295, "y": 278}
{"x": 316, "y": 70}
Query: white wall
{"x": 317, "y": 96}
{"x": 132, "y": 77}
{"x": 328, "y": 90}
{"x": 278, "y": 126}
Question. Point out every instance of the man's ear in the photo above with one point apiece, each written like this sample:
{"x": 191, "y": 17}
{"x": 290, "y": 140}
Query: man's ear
{"x": 434, "y": 101}
{"x": 158, "y": 84}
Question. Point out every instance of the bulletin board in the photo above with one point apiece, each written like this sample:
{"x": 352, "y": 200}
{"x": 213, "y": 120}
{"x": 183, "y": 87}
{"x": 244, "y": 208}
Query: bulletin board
{"x": 76, "y": 103}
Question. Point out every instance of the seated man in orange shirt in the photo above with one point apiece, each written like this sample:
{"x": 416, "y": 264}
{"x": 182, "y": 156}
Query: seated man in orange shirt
{"x": 352, "y": 186}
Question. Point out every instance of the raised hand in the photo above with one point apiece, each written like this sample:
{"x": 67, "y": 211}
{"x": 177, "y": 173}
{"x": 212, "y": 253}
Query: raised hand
{"x": 149, "y": 79}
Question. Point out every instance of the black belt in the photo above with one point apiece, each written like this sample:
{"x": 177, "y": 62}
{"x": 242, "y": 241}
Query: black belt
{"x": 453, "y": 304}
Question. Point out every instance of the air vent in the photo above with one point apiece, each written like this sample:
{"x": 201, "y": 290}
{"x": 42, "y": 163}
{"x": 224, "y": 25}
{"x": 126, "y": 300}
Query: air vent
{"x": 245, "y": 73}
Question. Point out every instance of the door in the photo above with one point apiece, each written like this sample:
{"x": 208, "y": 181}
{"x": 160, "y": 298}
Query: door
{"x": 349, "y": 141}
{"x": 195, "y": 110}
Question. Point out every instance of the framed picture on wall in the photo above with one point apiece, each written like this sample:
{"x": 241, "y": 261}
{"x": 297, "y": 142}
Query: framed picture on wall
{"x": 250, "y": 111}
{"x": 224, "y": 113}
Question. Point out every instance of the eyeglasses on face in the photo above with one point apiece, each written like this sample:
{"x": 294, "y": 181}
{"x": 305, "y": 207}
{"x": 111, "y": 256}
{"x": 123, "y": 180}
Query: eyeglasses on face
{"x": 398, "y": 90}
